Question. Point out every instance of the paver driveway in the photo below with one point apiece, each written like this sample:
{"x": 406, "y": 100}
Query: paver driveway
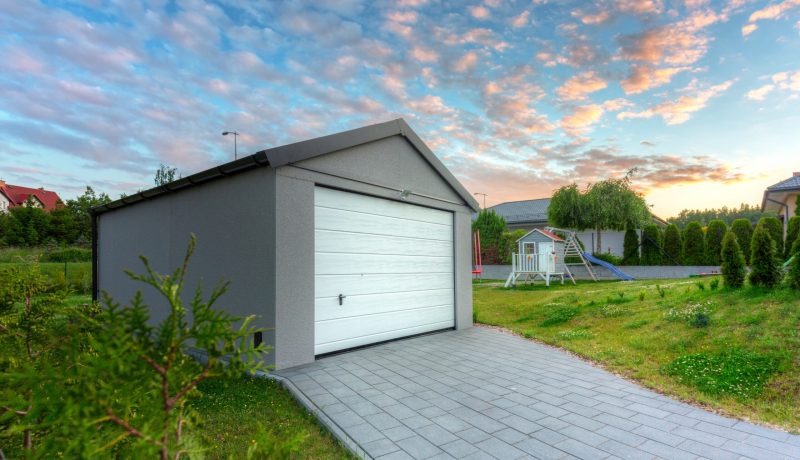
{"x": 481, "y": 393}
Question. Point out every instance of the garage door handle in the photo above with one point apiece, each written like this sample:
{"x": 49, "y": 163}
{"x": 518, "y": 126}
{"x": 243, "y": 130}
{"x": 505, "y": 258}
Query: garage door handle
{"x": 341, "y": 298}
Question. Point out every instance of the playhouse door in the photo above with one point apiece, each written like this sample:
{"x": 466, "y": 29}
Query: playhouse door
{"x": 545, "y": 251}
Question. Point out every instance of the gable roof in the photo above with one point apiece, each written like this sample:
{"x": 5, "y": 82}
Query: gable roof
{"x": 525, "y": 211}
{"x": 546, "y": 233}
{"x": 780, "y": 191}
{"x": 792, "y": 183}
{"x": 304, "y": 150}
{"x": 18, "y": 194}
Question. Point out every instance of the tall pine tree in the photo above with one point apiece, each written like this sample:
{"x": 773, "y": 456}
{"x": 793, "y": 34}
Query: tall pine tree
{"x": 743, "y": 229}
{"x": 764, "y": 263}
{"x": 732, "y": 266}
{"x": 630, "y": 251}
{"x": 672, "y": 245}
{"x": 694, "y": 244}
{"x": 714, "y": 233}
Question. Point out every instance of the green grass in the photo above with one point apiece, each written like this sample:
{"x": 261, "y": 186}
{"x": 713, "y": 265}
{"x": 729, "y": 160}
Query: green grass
{"x": 735, "y": 350}
{"x": 234, "y": 410}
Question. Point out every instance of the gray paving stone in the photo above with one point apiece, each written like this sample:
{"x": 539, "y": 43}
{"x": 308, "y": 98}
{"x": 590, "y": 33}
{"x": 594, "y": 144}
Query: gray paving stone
{"x": 513, "y": 398}
{"x": 396, "y": 455}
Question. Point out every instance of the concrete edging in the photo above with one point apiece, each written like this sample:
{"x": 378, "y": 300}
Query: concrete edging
{"x": 326, "y": 422}
{"x": 639, "y": 272}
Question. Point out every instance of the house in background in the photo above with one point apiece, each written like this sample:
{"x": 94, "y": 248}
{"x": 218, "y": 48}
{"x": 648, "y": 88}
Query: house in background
{"x": 13, "y": 196}
{"x": 782, "y": 198}
{"x": 530, "y": 214}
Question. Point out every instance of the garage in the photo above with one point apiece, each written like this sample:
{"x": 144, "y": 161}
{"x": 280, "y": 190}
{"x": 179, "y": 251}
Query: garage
{"x": 384, "y": 270}
{"x": 332, "y": 243}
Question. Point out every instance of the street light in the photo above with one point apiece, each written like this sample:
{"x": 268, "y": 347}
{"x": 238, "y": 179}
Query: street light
{"x": 484, "y": 198}
{"x": 235, "y": 137}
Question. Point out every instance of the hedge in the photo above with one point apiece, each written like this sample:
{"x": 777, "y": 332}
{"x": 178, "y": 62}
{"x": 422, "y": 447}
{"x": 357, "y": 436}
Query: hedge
{"x": 743, "y": 229}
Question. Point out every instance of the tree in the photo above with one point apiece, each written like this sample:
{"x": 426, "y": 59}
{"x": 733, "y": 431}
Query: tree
{"x": 764, "y": 263}
{"x": 714, "y": 233}
{"x": 732, "y": 261}
{"x": 694, "y": 244}
{"x": 792, "y": 233}
{"x": 672, "y": 245}
{"x": 164, "y": 175}
{"x": 743, "y": 229}
{"x": 81, "y": 207}
{"x": 491, "y": 226}
{"x": 775, "y": 229}
{"x": 793, "y": 277}
{"x": 30, "y": 226}
{"x": 606, "y": 205}
{"x": 651, "y": 245}
{"x": 728, "y": 215}
{"x": 631, "y": 247}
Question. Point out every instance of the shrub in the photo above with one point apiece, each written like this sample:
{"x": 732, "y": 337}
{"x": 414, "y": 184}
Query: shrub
{"x": 610, "y": 258}
{"x": 714, "y": 233}
{"x": 700, "y": 320}
{"x": 693, "y": 244}
{"x": 508, "y": 245}
{"x": 764, "y": 264}
{"x": 793, "y": 276}
{"x": 661, "y": 291}
{"x": 651, "y": 245}
{"x": 491, "y": 226}
{"x": 68, "y": 255}
{"x": 641, "y": 296}
{"x": 737, "y": 373}
{"x": 714, "y": 284}
{"x": 672, "y": 245}
{"x": 701, "y": 285}
{"x": 743, "y": 229}
{"x": 733, "y": 268}
{"x": 559, "y": 316}
{"x": 630, "y": 252}
{"x": 792, "y": 233}
{"x": 775, "y": 229}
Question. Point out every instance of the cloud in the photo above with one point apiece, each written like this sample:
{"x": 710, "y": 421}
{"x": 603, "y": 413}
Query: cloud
{"x": 467, "y": 62}
{"x": 581, "y": 118}
{"x": 430, "y": 105}
{"x": 599, "y": 17}
{"x": 680, "y": 110}
{"x": 771, "y": 12}
{"x": 647, "y": 144}
{"x": 423, "y": 54}
{"x": 480, "y": 12}
{"x": 408, "y": 17}
{"x": 520, "y": 20}
{"x": 578, "y": 86}
{"x": 645, "y": 77}
{"x": 640, "y": 7}
{"x": 788, "y": 82}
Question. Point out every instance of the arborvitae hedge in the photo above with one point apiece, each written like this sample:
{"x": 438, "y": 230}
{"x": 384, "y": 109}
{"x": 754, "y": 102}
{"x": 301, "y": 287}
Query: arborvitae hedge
{"x": 743, "y": 229}
{"x": 732, "y": 262}
{"x": 792, "y": 232}
{"x": 714, "y": 233}
{"x": 672, "y": 245}
{"x": 793, "y": 277}
{"x": 651, "y": 245}
{"x": 630, "y": 251}
{"x": 775, "y": 228}
{"x": 764, "y": 263}
{"x": 694, "y": 244}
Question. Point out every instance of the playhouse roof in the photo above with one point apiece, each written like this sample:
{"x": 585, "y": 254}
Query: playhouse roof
{"x": 546, "y": 233}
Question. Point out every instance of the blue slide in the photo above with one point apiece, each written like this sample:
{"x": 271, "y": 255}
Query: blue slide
{"x": 613, "y": 269}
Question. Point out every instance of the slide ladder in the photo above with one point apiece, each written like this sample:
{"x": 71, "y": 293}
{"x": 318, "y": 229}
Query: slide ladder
{"x": 613, "y": 269}
{"x": 573, "y": 249}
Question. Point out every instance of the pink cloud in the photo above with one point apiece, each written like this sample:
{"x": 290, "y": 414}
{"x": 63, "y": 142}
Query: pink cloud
{"x": 423, "y": 54}
{"x": 645, "y": 77}
{"x": 467, "y": 62}
{"x": 640, "y": 7}
{"x": 520, "y": 20}
{"x": 480, "y": 12}
{"x": 577, "y": 87}
{"x": 788, "y": 82}
{"x": 771, "y": 12}
{"x": 581, "y": 118}
{"x": 680, "y": 110}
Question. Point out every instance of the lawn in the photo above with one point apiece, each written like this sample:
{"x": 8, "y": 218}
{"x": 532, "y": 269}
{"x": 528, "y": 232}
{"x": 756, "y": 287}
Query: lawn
{"x": 734, "y": 351}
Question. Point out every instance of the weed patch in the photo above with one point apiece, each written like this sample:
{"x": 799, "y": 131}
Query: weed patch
{"x": 636, "y": 324}
{"x": 559, "y": 316}
{"x": 688, "y": 312}
{"x": 574, "y": 334}
{"x": 611, "y": 311}
{"x": 734, "y": 373}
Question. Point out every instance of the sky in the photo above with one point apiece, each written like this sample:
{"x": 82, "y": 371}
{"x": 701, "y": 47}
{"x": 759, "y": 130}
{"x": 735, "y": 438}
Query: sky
{"x": 516, "y": 97}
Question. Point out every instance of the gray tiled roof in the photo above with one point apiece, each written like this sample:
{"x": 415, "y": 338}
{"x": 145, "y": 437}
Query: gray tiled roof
{"x": 792, "y": 183}
{"x": 523, "y": 211}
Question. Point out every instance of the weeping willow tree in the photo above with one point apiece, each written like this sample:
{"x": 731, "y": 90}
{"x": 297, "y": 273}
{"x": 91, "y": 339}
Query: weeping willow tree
{"x": 610, "y": 204}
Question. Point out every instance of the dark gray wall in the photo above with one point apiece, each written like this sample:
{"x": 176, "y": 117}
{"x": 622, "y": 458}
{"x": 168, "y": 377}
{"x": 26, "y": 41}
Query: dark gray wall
{"x": 233, "y": 219}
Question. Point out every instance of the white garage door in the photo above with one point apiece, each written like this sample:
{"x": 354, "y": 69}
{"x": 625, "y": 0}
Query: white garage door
{"x": 392, "y": 262}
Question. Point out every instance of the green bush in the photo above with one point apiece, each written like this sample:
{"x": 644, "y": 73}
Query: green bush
{"x": 743, "y": 229}
{"x": 651, "y": 245}
{"x": 672, "y": 245}
{"x": 700, "y": 320}
{"x": 68, "y": 255}
{"x": 508, "y": 245}
{"x": 732, "y": 267}
{"x": 792, "y": 233}
{"x": 764, "y": 264}
{"x": 491, "y": 226}
{"x": 694, "y": 245}
{"x": 775, "y": 228}
{"x": 610, "y": 258}
{"x": 630, "y": 252}
{"x": 714, "y": 233}
{"x": 714, "y": 284}
{"x": 559, "y": 316}
{"x": 793, "y": 276}
{"x": 737, "y": 373}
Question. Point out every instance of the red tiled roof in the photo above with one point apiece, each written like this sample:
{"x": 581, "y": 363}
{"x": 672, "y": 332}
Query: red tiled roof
{"x": 18, "y": 194}
{"x": 550, "y": 234}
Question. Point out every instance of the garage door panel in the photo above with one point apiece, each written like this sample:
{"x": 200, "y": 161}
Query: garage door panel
{"x": 327, "y": 308}
{"x": 346, "y": 242}
{"x": 354, "y": 222}
{"x": 337, "y": 199}
{"x": 333, "y": 285}
{"x": 337, "y": 334}
{"x": 353, "y": 264}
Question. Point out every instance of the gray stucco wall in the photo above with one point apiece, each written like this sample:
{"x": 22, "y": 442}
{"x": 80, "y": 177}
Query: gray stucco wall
{"x": 233, "y": 219}
{"x": 501, "y": 272}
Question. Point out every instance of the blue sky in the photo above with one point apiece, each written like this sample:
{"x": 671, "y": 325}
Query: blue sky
{"x": 516, "y": 97}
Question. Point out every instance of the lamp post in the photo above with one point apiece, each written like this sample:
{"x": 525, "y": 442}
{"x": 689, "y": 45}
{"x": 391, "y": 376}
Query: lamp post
{"x": 235, "y": 137}
{"x": 484, "y": 198}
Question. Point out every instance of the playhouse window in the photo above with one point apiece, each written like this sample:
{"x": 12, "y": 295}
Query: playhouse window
{"x": 529, "y": 248}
